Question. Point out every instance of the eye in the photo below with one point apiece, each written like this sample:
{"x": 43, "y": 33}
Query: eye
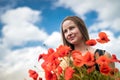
{"x": 65, "y": 31}
{"x": 72, "y": 27}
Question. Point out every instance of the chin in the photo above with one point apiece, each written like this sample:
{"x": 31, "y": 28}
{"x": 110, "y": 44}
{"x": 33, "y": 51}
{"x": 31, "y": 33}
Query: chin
{"x": 73, "y": 42}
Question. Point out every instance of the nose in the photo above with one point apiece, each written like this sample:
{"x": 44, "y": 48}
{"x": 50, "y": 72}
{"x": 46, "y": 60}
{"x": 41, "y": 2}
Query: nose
{"x": 69, "y": 33}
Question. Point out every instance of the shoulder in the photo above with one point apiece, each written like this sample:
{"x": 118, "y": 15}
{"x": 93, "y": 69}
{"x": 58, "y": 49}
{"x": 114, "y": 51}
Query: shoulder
{"x": 112, "y": 64}
{"x": 107, "y": 54}
{"x": 100, "y": 52}
{"x": 103, "y": 52}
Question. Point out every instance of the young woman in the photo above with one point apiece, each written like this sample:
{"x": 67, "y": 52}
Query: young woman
{"x": 75, "y": 34}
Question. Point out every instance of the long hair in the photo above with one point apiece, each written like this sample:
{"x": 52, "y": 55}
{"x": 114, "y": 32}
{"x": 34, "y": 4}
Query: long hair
{"x": 82, "y": 27}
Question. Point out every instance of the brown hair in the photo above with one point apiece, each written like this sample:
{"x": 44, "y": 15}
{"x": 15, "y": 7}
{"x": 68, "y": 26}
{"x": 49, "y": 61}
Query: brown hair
{"x": 82, "y": 27}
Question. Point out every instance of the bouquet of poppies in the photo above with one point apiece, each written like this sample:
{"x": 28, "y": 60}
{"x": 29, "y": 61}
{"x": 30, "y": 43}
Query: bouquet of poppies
{"x": 67, "y": 64}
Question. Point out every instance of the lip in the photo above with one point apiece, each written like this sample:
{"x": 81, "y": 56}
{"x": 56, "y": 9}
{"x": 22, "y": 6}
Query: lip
{"x": 71, "y": 38}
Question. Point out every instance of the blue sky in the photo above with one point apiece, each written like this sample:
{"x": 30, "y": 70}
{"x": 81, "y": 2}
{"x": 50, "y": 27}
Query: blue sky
{"x": 25, "y": 25}
{"x": 49, "y": 13}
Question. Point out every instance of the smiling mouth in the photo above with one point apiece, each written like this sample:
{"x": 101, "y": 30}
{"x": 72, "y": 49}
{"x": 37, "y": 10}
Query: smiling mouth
{"x": 71, "y": 38}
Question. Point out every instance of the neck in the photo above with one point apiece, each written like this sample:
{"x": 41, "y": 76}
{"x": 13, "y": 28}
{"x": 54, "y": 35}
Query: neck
{"x": 82, "y": 47}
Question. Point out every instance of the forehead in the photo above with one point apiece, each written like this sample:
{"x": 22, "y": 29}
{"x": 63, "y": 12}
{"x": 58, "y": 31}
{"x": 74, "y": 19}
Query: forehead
{"x": 67, "y": 23}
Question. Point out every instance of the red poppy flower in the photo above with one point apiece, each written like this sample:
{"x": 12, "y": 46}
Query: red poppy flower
{"x": 59, "y": 70}
{"x": 33, "y": 74}
{"x": 50, "y": 76}
{"x": 89, "y": 59}
{"x": 90, "y": 69}
{"x": 105, "y": 69}
{"x": 114, "y": 58}
{"x": 41, "y": 56}
{"x": 54, "y": 77}
{"x": 91, "y": 42}
{"x": 46, "y": 65}
{"x": 75, "y": 53}
{"x": 103, "y": 60}
{"x": 40, "y": 78}
{"x": 113, "y": 71}
{"x": 103, "y": 38}
{"x": 77, "y": 58}
{"x": 78, "y": 62}
{"x": 50, "y": 51}
{"x": 51, "y": 63}
{"x": 63, "y": 50}
{"x": 44, "y": 56}
{"x": 68, "y": 73}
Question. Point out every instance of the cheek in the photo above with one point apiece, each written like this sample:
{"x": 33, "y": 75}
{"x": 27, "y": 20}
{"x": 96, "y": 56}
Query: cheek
{"x": 78, "y": 33}
{"x": 80, "y": 36}
{"x": 65, "y": 35}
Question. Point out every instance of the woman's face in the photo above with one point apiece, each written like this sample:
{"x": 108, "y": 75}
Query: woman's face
{"x": 71, "y": 32}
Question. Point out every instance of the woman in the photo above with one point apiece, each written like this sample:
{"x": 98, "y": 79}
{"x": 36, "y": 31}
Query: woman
{"x": 75, "y": 34}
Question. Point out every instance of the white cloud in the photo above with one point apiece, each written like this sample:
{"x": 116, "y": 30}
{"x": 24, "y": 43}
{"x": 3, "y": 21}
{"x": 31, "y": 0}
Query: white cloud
{"x": 116, "y": 24}
{"x": 53, "y": 40}
{"x": 3, "y": 50}
{"x": 20, "y": 15}
{"x": 99, "y": 26}
{"x": 108, "y": 10}
{"x": 19, "y": 26}
{"x": 17, "y": 63}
